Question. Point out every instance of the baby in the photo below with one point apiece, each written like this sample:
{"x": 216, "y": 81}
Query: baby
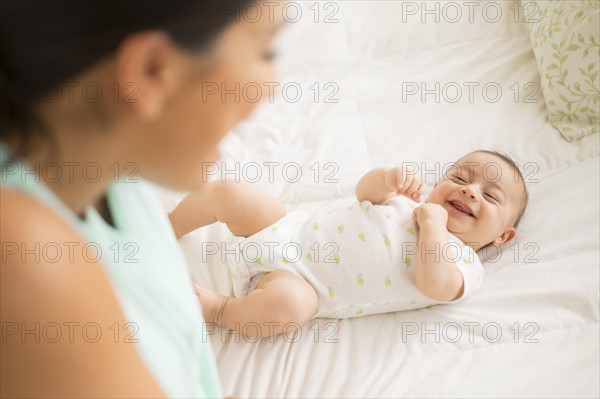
{"x": 384, "y": 253}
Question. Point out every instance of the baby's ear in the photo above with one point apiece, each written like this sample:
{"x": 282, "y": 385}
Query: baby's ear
{"x": 506, "y": 236}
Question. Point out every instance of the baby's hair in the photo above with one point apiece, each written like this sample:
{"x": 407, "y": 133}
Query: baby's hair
{"x": 508, "y": 160}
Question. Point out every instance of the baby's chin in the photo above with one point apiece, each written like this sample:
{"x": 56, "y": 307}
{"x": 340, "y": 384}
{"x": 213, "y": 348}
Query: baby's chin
{"x": 454, "y": 227}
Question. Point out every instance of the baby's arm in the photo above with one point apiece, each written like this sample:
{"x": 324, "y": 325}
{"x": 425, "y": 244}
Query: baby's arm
{"x": 380, "y": 184}
{"x": 436, "y": 276}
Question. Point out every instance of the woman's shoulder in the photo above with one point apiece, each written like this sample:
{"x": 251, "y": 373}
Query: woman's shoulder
{"x": 37, "y": 244}
{"x": 38, "y": 247}
{"x": 46, "y": 285}
{"x": 24, "y": 216}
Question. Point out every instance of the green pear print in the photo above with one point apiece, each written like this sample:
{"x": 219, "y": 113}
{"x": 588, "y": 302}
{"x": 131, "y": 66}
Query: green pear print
{"x": 360, "y": 280}
{"x": 258, "y": 261}
{"x": 410, "y": 230}
{"x": 284, "y": 261}
{"x": 336, "y": 258}
{"x": 388, "y": 281}
{"x": 467, "y": 261}
{"x": 273, "y": 229}
{"x": 309, "y": 256}
{"x": 407, "y": 261}
{"x": 386, "y": 241}
{"x": 315, "y": 226}
{"x": 331, "y": 293}
{"x": 359, "y": 311}
{"x": 340, "y": 228}
{"x": 362, "y": 237}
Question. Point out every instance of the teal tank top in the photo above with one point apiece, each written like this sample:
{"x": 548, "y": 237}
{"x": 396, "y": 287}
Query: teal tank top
{"x": 149, "y": 276}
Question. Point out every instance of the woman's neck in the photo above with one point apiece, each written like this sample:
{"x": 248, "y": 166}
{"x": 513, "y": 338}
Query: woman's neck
{"x": 77, "y": 175}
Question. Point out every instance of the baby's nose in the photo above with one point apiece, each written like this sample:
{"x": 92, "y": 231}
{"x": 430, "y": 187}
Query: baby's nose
{"x": 468, "y": 191}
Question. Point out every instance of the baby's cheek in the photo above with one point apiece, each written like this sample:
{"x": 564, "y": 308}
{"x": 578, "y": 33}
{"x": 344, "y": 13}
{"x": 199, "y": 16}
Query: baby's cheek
{"x": 433, "y": 198}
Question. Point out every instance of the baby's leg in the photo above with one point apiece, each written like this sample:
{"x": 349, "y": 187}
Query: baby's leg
{"x": 281, "y": 302}
{"x": 242, "y": 207}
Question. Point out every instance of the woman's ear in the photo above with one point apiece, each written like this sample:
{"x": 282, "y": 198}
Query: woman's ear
{"x": 506, "y": 236}
{"x": 143, "y": 66}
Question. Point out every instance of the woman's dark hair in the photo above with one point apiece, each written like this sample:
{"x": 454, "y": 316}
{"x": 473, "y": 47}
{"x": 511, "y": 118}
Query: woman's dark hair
{"x": 43, "y": 44}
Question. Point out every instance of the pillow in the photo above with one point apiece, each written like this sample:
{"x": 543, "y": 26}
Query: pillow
{"x": 565, "y": 38}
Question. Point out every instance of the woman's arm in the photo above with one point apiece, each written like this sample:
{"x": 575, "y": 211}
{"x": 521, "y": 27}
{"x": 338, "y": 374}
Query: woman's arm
{"x": 380, "y": 184}
{"x": 42, "y": 297}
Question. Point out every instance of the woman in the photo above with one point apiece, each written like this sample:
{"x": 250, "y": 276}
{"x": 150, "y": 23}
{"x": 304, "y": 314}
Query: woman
{"x": 96, "y": 98}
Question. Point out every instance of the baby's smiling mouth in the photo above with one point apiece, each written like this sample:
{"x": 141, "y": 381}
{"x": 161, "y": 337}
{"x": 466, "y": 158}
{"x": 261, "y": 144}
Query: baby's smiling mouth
{"x": 461, "y": 207}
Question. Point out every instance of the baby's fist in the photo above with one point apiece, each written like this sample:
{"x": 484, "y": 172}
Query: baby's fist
{"x": 401, "y": 182}
{"x": 430, "y": 212}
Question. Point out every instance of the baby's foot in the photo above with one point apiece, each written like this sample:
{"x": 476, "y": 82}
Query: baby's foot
{"x": 212, "y": 304}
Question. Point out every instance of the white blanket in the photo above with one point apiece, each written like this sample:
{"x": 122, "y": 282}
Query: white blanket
{"x": 532, "y": 328}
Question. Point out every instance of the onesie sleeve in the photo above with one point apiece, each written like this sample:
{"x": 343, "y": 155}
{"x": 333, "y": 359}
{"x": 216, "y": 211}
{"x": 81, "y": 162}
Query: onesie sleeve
{"x": 469, "y": 266}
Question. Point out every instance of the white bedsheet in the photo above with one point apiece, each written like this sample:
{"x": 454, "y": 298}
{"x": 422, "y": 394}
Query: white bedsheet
{"x": 548, "y": 278}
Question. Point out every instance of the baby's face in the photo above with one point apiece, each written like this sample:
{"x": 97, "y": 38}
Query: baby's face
{"x": 483, "y": 196}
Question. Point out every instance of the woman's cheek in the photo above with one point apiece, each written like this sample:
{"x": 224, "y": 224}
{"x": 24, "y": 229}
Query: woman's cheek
{"x": 253, "y": 91}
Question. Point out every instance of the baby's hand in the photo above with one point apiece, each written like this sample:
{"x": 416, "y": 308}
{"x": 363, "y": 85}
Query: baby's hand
{"x": 403, "y": 183}
{"x": 430, "y": 212}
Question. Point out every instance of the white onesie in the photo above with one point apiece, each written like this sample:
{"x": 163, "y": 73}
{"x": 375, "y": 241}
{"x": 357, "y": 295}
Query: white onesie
{"x": 360, "y": 258}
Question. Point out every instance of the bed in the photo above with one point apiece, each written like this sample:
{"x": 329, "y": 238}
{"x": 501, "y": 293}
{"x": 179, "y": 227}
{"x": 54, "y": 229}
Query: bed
{"x": 379, "y": 87}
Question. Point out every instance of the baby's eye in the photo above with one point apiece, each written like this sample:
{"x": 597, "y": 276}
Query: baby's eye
{"x": 490, "y": 196}
{"x": 460, "y": 179}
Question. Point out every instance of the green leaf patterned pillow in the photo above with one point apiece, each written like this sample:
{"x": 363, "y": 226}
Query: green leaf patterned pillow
{"x": 565, "y": 35}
